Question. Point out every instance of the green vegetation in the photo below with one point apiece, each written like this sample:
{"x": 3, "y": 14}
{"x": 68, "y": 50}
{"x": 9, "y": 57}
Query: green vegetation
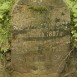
{"x": 5, "y": 7}
{"x": 38, "y": 9}
{"x": 72, "y": 4}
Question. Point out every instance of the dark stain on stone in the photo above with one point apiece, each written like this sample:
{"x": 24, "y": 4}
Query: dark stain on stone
{"x": 40, "y": 49}
{"x": 57, "y": 20}
{"x": 62, "y": 14}
{"x": 51, "y": 7}
{"x": 34, "y": 68}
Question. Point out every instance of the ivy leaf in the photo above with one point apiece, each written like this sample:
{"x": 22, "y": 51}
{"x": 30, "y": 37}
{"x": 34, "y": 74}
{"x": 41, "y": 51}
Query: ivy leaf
{"x": 75, "y": 14}
{"x": 75, "y": 39}
{"x": 75, "y": 35}
{"x": 76, "y": 25}
{"x": 1, "y": 16}
{"x": 75, "y": 20}
{"x": 73, "y": 31}
{"x": 75, "y": 6}
{"x": 74, "y": 10}
{"x": 4, "y": 49}
{"x": 69, "y": 3}
{"x": 5, "y": 6}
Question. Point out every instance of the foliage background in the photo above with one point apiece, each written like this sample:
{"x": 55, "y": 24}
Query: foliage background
{"x": 72, "y": 4}
{"x": 5, "y": 8}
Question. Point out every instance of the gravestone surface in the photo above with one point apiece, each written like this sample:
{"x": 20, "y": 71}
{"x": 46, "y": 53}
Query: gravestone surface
{"x": 40, "y": 38}
{"x": 1, "y": 70}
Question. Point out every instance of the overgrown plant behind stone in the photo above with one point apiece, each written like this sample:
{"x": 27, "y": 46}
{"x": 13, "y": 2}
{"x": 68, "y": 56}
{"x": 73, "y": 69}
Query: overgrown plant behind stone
{"x": 5, "y": 7}
{"x": 72, "y": 4}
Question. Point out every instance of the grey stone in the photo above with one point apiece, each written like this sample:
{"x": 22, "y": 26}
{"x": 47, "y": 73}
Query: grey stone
{"x": 40, "y": 37}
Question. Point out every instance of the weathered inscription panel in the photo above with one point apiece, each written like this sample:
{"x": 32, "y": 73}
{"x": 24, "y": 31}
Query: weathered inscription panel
{"x": 41, "y": 36}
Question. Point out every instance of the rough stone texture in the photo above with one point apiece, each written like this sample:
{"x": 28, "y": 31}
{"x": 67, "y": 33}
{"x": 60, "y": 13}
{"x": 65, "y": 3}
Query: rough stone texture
{"x": 40, "y": 38}
{"x": 3, "y": 72}
{"x": 1, "y": 69}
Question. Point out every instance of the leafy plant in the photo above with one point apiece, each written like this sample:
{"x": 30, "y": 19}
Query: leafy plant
{"x": 72, "y": 4}
{"x": 5, "y": 7}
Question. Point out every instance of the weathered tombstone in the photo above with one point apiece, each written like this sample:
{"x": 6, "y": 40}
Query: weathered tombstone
{"x": 1, "y": 70}
{"x": 41, "y": 38}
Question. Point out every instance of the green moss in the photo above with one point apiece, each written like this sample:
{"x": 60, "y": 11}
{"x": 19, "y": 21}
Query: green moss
{"x": 38, "y": 8}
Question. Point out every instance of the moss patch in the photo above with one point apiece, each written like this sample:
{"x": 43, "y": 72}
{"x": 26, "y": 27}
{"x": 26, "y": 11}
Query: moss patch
{"x": 38, "y": 8}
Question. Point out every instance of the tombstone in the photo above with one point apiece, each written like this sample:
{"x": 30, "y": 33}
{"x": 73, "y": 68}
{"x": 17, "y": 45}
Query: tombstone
{"x": 1, "y": 70}
{"x": 40, "y": 38}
